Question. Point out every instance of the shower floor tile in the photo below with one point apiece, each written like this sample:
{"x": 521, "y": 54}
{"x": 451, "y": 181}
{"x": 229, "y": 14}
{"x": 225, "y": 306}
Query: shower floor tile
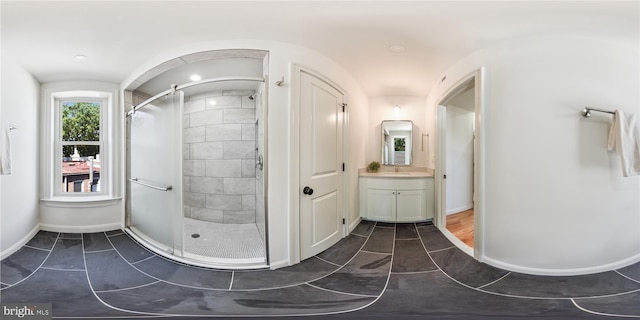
{"x": 223, "y": 240}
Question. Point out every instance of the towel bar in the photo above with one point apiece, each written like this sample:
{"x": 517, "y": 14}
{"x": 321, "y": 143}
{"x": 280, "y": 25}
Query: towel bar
{"x": 587, "y": 111}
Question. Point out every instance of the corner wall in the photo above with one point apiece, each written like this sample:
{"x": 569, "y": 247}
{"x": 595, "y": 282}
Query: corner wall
{"x": 555, "y": 199}
{"x": 19, "y": 190}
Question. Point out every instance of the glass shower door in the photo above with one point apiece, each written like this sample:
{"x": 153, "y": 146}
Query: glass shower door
{"x": 155, "y": 173}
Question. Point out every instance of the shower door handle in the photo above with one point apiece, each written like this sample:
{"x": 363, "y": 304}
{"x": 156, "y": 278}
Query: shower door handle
{"x": 307, "y": 191}
{"x": 161, "y": 188}
{"x": 259, "y": 162}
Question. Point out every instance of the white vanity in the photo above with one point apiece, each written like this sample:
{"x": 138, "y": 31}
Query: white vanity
{"x": 396, "y": 196}
{"x": 398, "y": 192}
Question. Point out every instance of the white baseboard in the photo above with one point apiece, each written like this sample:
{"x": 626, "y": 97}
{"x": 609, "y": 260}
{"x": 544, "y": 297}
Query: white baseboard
{"x": 461, "y": 245}
{"x": 81, "y": 229}
{"x": 9, "y": 251}
{"x": 540, "y": 271}
{"x": 459, "y": 209}
{"x": 353, "y": 225}
{"x": 563, "y": 272}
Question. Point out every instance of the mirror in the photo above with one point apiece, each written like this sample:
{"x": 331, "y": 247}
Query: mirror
{"x": 397, "y": 144}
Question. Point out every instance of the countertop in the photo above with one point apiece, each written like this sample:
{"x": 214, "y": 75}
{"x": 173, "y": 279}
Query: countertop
{"x": 403, "y": 172}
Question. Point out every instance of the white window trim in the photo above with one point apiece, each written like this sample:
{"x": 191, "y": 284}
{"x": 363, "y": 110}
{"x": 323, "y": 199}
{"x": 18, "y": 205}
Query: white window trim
{"x": 51, "y": 145}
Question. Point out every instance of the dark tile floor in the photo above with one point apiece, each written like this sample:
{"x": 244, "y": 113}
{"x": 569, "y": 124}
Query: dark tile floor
{"x": 380, "y": 271}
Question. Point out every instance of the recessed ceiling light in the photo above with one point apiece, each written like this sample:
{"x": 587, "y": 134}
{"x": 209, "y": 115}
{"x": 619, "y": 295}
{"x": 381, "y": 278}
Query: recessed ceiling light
{"x": 80, "y": 57}
{"x": 195, "y": 77}
{"x": 397, "y": 48}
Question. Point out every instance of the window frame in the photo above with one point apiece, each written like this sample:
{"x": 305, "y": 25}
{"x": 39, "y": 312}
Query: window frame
{"x": 59, "y": 143}
{"x": 51, "y": 193}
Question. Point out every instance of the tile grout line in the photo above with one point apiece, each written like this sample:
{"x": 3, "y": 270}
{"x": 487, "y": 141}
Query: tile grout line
{"x": 36, "y": 248}
{"x": 193, "y": 287}
{"x": 327, "y": 261}
{"x": 358, "y": 235}
{"x": 510, "y": 295}
{"x": 113, "y": 235}
{"x": 583, "y": 309}
{"x": 340, "y": 292}
{"x": 220, "y": 315}
{"x": 129, "y": 288}
{"x": 233, "y": 273}
{"x": 41, "y": 264}
{"x": 84, "y": 256}
{"x": 312, "y": 280}
{"x": 407, "y": 239}
{"x": 60, "y": 269}
{"x": 385, "y": 285}
{"x": 145, "y": 259}
{"x": 494, "y": 281}
{"x": 372, "y": 252}
{"x": 98, "y": 251}
{"x": 353, "y": 257}
{"x": 620, "y": 273}
{"x": 416, "y": 272}
{"x": 444, "y": 249}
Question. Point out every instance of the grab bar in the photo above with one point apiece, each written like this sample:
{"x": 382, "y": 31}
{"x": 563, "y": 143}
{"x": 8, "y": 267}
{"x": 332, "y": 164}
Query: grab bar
{"x": 164, "y": 188}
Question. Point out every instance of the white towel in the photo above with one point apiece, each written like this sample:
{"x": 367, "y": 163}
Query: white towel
{"x": 624, "y": 137}
{"x": 5, "y": 150}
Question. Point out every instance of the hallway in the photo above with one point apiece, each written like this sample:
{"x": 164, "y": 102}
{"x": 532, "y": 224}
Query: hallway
{"x": 380, "y": 271}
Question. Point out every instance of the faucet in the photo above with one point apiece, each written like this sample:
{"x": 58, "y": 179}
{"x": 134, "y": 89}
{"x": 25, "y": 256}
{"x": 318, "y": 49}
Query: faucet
{"x": 397, "y": 167}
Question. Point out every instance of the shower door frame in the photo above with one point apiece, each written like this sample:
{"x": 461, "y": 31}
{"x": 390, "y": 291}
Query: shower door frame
{"x": 154, "y": 245}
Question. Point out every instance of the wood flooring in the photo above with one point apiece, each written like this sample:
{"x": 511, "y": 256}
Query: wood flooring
{"x": 461, "y": 225}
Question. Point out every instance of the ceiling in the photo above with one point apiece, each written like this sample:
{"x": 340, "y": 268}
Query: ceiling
{"x": 119, "y": 37}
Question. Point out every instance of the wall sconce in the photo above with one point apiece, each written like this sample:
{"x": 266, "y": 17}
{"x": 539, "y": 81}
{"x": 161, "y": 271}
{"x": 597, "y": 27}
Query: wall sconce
{"x": 396, "y": 109}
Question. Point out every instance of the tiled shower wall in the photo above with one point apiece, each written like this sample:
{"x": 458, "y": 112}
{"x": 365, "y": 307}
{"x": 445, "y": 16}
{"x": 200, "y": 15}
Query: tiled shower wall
{"x": 219, "y": 157}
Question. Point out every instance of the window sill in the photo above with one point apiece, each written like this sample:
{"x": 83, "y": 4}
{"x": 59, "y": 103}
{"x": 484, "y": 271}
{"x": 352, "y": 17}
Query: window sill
{"x": 81, "y": 202}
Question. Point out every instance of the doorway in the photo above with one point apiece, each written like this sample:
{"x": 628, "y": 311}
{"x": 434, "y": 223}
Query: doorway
{"x": 458, "y": 168}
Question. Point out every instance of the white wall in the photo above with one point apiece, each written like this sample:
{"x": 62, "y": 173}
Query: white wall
{"x": 411, "y": 108}
{"x": 555, "y": 199}
{"x": 19, "y": 190}
{"x": 280, "y": 208}
{"x": 459, "y": 155}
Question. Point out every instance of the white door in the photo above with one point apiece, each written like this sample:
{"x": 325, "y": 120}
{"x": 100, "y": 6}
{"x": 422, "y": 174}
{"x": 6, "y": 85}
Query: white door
{"x": 321, "y": 209}
{"x": 441, "y": 172}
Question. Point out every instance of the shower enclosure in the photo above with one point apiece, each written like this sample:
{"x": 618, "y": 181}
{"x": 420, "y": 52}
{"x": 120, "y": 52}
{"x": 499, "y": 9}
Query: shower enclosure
{"x": 196, "y": 190}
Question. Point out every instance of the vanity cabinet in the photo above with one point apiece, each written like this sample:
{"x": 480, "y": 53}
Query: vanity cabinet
{"x": 397, "y": 199}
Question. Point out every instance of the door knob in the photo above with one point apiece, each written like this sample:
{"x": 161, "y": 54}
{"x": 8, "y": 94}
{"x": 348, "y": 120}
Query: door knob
{"x": 307, "y": 191}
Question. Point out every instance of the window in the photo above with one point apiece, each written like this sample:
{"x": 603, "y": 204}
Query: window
{"x": 80, "y": 144}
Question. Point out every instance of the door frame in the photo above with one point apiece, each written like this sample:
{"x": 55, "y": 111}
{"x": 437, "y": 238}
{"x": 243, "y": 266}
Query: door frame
{"x": 477, "y": 252}
{"x": 294, "y": 157}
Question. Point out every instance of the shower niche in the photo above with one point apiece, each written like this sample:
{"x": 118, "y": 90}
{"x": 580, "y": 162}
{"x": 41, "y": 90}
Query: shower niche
{"x": 196, "y": 124}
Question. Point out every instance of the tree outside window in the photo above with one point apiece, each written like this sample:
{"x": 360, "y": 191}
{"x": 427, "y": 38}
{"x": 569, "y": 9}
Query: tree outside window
{"x": 80, "y": 146}
{"x": 398, "y": 144}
